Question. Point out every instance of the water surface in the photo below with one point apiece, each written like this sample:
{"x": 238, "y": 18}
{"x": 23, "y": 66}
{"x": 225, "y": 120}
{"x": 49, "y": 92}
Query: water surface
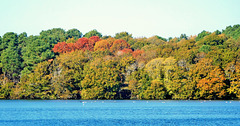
{"x": 118, "y": 112}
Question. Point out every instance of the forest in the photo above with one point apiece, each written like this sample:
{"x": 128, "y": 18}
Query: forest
{"x": 59, "y": 64}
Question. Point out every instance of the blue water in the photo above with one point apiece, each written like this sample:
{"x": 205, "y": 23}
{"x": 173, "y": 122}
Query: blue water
{"x": 118, "y": 112}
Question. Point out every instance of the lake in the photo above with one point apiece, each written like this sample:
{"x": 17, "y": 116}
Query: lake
{"x": 118, "y": 112}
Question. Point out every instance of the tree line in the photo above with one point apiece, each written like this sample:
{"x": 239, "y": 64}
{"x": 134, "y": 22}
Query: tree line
{"x": 59, "y": 64}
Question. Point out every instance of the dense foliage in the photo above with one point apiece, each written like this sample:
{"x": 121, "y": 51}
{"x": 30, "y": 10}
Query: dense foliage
{"x": 61, "y": 64}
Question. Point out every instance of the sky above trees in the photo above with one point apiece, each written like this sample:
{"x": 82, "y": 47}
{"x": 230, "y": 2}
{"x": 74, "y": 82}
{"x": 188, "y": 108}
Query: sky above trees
{"x": 141, "y": 18}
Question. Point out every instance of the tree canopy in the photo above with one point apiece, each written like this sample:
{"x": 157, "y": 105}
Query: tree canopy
{"x": 59, "y": 64}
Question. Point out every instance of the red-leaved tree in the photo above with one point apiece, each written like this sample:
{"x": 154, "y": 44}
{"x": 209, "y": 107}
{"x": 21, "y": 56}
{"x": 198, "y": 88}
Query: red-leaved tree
{"x": 62, "y": 47}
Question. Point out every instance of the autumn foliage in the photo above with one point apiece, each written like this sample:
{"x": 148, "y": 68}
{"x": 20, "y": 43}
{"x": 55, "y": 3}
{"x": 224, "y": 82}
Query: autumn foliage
{"x": 81, "y": 44}
{"x": 94, "y": 43}
{"x": 119, "y": 44}
{"x": 63, "y": 47}
{"x": 102, "y": 45}
{"x": 65, "y": 65}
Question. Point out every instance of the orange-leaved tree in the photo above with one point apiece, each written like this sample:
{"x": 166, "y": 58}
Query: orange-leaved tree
{"x": 213, "y": 86}
{"x": 102, "y": 45}
{"x": 119, "y": 44}
{"x": 63, "y": 47}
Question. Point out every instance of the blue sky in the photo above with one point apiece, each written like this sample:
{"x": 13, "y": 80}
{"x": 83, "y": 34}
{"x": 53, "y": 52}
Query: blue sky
{"x": 142, "y": 18}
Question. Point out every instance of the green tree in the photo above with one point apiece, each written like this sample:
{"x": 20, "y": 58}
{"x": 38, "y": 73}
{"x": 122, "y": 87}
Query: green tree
{"x": 6, "y": 90}
{"x": 205, "y": 48}
{"x": 123, "y": 35}
{"x": 164, "y": 39}
{"x": 144, "y": 82}
{"x": 68, "y": 73}
{"x": 11, "y": 61}
{"x": 202, "y": 35}
{"x": 155, "y": 91}
{"x": 73, "y": 33}
{"x": 1, "y": 43}
{"x": 102, "y": 80}
{"x": 155, "y": 40}
{"x": 232, "y": 31}
{"x": 37, "y": 85}
{"x": 93, "y": 33}
{"x": 217, "y": 32}
{"x": 9, "y": 37}
{"x": 35, "y": 51}
{"x": 183, "y": 36}
{"x": 139, "y": 43}
{"x": 10, "y": 56}
{"x": 213, "y": 39}
{"x": 53, "y": 36}
{"x": 22, "y": 39}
